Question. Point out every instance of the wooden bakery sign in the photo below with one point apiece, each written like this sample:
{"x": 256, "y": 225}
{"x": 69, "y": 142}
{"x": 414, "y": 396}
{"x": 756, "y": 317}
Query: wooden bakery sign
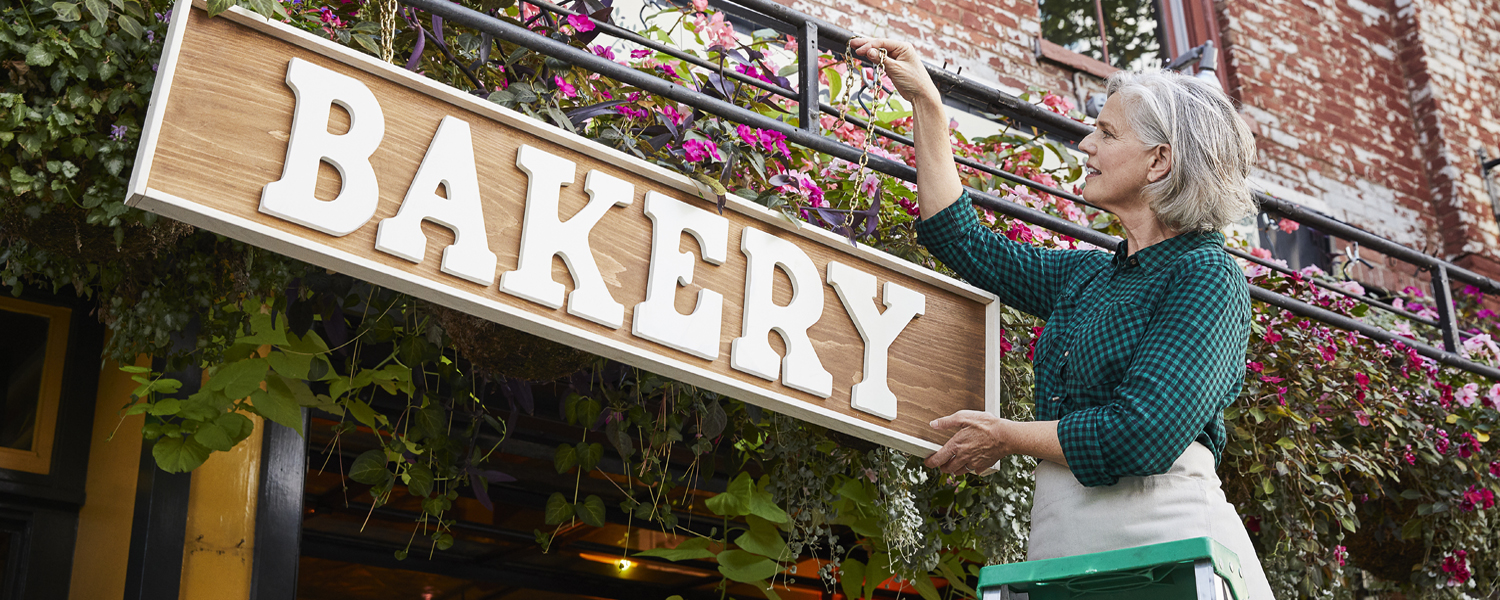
{"x": 287, "y": 141}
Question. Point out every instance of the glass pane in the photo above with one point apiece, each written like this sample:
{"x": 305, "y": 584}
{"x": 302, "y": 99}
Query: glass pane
{"x": 21, "y": 359}
{"x": 1072, "y": 25}
{"x": 1134, "y": 34}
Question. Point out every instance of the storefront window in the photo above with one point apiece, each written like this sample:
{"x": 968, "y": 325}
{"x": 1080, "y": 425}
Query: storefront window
{"x": 1129, "y": 39}
{"x": 22, "y": 359}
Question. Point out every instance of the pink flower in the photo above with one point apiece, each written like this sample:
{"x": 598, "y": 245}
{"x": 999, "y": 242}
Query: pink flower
{"x": 1364, "y": 380}
{"x": 581, "y": 23}
{"x": 604, "y": 51}
{"x": 1495, "y": 469}
{"x": 747, "y": 135}
{"x": 1467, "y": 394}
{"x": 912, "y": 209}
{"x": 671, "y": 72}
{"x": 639, "y": 54}
{"x": 1260, "y": 253}
{"x": 1255, "y": 366}
{"x": 1272, "y": 337}
{"x": 1005, "y": 345}
{"x": 1058, "y": 104}
{"x": 700, "y": 151}
{"x": 1478, "y": 498}
{"x": 772, "y": 140}
{"x": 1411, "y": 459}
{"x": 1019, "y": 232}
{"x": 1271, "y": 379}
{"x": 1328, "y": 352}
{"x": 1457, "y": 567}
{"x": 1364, "y": 419}
{"x": 563, "y": 86}
{"x": 1288, "y": 225}
{"x": 1340, "y": 554}
{"x": 700, "y": 5}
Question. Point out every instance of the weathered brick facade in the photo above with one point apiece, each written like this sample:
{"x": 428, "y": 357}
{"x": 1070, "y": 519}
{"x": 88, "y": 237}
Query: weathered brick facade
{"x": 1368, "y": 110}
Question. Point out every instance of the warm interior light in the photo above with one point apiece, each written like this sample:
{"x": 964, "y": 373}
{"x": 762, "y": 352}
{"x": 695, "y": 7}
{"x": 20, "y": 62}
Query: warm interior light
{"x": 624, "y": 564}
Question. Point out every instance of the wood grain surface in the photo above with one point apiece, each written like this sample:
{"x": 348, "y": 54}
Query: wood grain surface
{"x": 224, "y": 136}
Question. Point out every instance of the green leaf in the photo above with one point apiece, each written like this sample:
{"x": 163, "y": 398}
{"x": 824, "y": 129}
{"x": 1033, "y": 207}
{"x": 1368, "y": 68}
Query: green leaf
{"x": 924, "y": 586}
{"x": 98, "y": 8}
{"x": 1411, "y": 530}
{"x": 240, "y": 378}
{"x": 279, "y": 409}
{"x": 178, "y": 455}
{"x": 217, "y": 6}
{"x": 852, "y": 578}
{"x": 431, "y": 421}
{"x": 134, "y": 369}
{"x": 558, "y": 509}
{"x": 744, "y": 567}
{"x": 735, "y": 501}
{"x": 763, "y": 505}
{"x": 762, "y": 538}
{"x": 67, "y": 12}
{"x": 39, "y": 56}
{"x": 236, "y": 426}
{"x": 591, "y": 511}
{"x": 166, "y": 408}
{"x": 565, "y": 458}
{"x": 589, "y": 455}
{"x": 419, "y": 480}
{"x": 369, "y": 468}
{"x": 291, "y": 365}
{"x": 693, "y": 549}
{"x": 213, "y": 437}
{"x": 362, "y": 412}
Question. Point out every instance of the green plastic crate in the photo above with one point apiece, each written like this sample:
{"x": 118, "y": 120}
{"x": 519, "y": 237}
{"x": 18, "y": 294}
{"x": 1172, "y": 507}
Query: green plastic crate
{"x": 1195, "y": 568}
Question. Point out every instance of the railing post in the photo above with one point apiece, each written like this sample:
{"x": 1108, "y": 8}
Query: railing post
{"x": 1442, "y": 293}
{"x": 807, "y": 72}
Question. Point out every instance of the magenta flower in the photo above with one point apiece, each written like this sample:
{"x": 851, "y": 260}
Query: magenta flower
{"x": 1495, "y": 469}
{"x": 700, "y": 151}
{"x": 563, "y": 86}
{"x": 639, "y": 54}
{"x": 581, "y": 23}
{"x": 1328, "y": 352}
{"x": 1255, "y": 366}
{"x": 1272, "y": 337}
{"x": 1478, "y": 498}
{"x": 1456, "y": 566}
{"x": 1364, "y": 419}
{"x": 747, "y": 134}
{"x": 1340, "y": 554}
{"x": 773, "y": 141}
{"x": 1411, "y": 459}
{"x": 604, "y": 51}
{"x": 1364, "y": 380}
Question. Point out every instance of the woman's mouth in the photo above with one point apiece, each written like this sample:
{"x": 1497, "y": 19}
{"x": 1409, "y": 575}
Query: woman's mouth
{"x": 1090, "y": 172}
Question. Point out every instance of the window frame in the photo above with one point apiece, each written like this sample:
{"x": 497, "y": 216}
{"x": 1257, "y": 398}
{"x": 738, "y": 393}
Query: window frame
{"x": 39, "y": 458}
{"x": 1187, "y": 24}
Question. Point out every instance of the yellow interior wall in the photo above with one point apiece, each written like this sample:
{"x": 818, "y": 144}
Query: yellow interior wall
{"x": 220, "y": 546}
{"x": 104, "y": 522}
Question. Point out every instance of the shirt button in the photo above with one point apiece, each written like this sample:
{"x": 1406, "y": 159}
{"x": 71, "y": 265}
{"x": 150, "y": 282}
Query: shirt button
{"x": 1065, "y": 353}
{"x": 1056, "y": 398}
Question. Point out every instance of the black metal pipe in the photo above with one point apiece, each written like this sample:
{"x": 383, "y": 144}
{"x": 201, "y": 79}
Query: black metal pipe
{"x": 1374, "y": 242}
{"x": 808, "y": 71}
{"x": 1362, "y": 298}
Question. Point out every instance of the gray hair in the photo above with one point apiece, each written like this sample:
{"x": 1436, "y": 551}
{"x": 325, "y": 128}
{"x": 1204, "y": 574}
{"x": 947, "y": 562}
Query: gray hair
{"x": 1212, "y": 149}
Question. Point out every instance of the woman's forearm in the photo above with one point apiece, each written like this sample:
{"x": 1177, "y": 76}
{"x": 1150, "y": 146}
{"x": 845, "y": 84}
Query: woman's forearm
{"x": 938, "y": 184}
{"x": 1037, "y": 439}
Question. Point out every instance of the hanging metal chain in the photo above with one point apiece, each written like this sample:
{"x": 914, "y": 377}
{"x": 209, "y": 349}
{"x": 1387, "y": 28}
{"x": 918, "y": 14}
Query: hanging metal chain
{"x": 388, "y": 10}
{"x": 877, "y": 73}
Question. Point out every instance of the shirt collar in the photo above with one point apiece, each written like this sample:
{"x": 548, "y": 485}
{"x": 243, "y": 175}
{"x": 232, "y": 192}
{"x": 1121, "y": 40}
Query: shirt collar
{"x": 1164, "y": 252}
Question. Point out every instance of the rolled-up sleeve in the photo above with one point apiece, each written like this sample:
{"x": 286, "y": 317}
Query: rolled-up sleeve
{"x": 1023, "y": 276}
{"x": 1188, "y": 367}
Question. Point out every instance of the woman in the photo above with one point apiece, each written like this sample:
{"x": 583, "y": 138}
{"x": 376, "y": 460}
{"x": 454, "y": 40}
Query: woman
{"x": 1144, "y": 347}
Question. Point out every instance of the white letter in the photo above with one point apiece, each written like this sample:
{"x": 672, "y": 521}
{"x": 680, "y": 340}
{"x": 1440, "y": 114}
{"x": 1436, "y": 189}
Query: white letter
{"x": 449, "y": 162}
{"x": 657, "y": 318}
{"x": 878, "y": 329}
{"x": 543, "y": 236}
{"x": 291, "y": 197}
{"x": 751, "y": 352}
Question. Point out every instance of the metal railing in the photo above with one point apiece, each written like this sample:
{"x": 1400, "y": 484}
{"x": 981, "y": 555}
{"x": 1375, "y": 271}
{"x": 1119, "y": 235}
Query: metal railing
{"x": 813, "y": 34}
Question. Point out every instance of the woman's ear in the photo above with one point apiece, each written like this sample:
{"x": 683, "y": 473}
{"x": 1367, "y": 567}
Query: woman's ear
{"x": 1161, "y": 163}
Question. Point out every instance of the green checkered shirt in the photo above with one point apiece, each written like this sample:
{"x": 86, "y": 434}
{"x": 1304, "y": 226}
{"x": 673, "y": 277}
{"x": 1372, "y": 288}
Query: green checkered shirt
{"x": 1141, "y": 353}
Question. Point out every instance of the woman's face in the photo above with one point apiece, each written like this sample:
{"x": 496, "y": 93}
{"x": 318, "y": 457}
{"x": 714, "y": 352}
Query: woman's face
{"x": 1119, "y": 165}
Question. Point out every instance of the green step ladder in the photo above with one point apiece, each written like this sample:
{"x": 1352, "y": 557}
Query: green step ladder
{"x": 1198, "y": 568}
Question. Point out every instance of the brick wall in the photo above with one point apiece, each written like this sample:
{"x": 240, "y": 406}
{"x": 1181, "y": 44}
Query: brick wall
{"x": 1368, "y": 110}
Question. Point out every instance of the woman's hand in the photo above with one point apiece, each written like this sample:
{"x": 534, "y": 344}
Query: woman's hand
{"x": 902, "y": 65}
{"x": 982, "y": 439}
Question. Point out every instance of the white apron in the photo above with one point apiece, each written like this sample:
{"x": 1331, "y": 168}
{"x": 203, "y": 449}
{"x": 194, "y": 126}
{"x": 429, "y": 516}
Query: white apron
{"x": 1187, "y": 501}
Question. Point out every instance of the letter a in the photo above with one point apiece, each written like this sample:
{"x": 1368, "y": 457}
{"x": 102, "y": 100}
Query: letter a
{"x": 449, "y": 162}
{"x": 544, "y": 236}
{"x": 751, "y": 352}
{"x": 657, "y": 318}
{"x": 878, "y": 329}
{"x": 291, "y": 197}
